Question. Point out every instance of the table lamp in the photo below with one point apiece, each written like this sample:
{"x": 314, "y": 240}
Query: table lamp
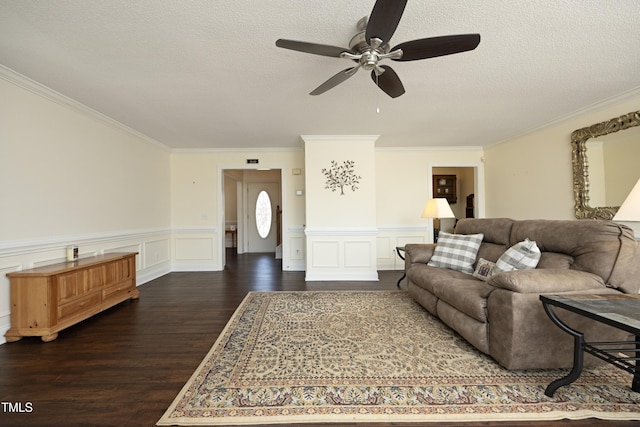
{"x": 630, "y": 209}
{"x": 437, "y": 208}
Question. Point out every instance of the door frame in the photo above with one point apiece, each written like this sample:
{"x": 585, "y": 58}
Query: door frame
{"x": 478, "y": 177}
{"x": 250, "y": 209}
{"x": 220, "y": 230}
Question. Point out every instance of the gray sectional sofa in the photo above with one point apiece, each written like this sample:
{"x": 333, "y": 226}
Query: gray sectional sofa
{"x": 502, "y": 316}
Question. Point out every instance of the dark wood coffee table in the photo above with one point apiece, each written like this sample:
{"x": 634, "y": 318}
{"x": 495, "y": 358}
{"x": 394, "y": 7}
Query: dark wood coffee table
{"x": 621, "y": 311}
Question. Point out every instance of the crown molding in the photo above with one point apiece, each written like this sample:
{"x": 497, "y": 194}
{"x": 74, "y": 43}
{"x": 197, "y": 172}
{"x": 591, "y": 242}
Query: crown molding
{"x": 245, "y": 150}
{"x": 45, "y": 92}
{"x": 433, "y": 148}
{"x": 616, "y": 99}
{"x": 340, "y": 138}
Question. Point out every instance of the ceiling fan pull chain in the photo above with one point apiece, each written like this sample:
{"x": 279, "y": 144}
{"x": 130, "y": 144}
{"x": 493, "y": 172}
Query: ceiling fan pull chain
{"x": 377, "y": 95}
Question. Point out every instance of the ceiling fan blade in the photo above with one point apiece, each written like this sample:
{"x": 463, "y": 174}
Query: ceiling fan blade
{"x": 437, "y": 46}
{"x": 335, "y": 80}
{"x": 384, "y": 19}
{"x": 388, "y": 81}
{"x": 315, "y": 48}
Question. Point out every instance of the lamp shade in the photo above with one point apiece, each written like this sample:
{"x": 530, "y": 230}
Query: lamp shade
{"x": 437, "y": 208}
{"x": 630, "y": 209}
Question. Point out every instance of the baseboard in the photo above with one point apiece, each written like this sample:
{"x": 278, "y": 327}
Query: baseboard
{"x": 187, "y": 266}
{"x": 341, "y": 276}
{"x": 4, "y": 327}
{"x": 151, "y": 274}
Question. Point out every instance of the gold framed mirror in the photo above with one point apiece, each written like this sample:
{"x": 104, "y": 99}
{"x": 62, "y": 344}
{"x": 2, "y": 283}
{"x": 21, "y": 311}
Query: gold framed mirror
{"x": 580, "y": 140}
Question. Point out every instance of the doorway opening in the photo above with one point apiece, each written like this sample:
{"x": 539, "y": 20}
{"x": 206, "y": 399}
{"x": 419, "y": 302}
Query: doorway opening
{"x": 253, "y": 211}
{"x": 465, "y": 195}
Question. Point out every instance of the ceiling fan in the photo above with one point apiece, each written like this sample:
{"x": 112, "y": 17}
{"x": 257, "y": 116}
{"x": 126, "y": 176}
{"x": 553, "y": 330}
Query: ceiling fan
{"x": 371, "y": 45}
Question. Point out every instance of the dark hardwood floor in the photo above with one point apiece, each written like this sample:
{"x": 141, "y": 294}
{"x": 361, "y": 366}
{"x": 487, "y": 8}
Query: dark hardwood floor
{"x": 125, "y": 366}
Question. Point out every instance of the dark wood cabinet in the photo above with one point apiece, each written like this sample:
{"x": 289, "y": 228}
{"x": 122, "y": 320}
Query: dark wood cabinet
{"x": 445, "y": 186}
{"x": 470, "y": 209}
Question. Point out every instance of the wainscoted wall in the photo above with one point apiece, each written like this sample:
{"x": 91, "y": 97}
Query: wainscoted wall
{"x": 341, "y": 254}
{"x": 390, "y": 238}
{"x": 341, "y": 224}
{"x": 195, "y": 250}
{"x": 153, "y": 260}
{"x": 296, "y": 248}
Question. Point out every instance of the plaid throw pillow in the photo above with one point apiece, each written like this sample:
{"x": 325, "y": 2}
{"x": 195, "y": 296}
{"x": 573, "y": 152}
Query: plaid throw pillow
{"x": 521, "y": 256}
{"x": 456, "y": 251}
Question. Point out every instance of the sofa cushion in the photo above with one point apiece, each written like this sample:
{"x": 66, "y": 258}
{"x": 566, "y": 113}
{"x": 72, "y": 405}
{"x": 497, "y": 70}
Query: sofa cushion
{"x": 419, "y": 252}
{"x": 491, "y": 251}
{"x": 466, "y": 294}
{"x": 554, "y": 260}
{"x": 475, "y": 332}
{"x": 595, "y": 246}
{"x": 547, "y": 280}
{"x": 425, "y": 276}
{"x": 458, "y": 289}
{"x": 456, "y": 251}
{"x": 497, "y": 235}
{"x": 495, "y": 230}
{"x": 521, "y": 256}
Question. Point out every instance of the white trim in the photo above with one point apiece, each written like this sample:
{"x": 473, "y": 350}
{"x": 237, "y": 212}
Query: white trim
{"x": 221, "y": 214}
{"x": 434, "y": 148}
{"x": 32, "y": 86}
{"x": 149, "y": 274}
{"x": 616, "y": 99}
{"x": 333, "y": 138}
{"x": 39, "y": 89}
{"x": 246, "y": 150}
{"x": 402, "y": 229}
{"x": 18, "y": 247}
{"x": 249, "y": 151}
{"x": 342, "y": 275}
{"x": 478, "y": 185}
{"x": 194, "y": 230}
{"x": 185, "y": 266}
{"x": 341, "y": 231}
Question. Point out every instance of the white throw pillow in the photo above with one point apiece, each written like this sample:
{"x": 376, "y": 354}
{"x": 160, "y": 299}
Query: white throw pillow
{"x": 521, "y": 256}
{"x": 456, "y": 251}
{"x": 484, "y": 269}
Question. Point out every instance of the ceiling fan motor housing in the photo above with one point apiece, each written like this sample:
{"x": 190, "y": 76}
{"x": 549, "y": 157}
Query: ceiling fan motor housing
{"x": 369, "y": 54}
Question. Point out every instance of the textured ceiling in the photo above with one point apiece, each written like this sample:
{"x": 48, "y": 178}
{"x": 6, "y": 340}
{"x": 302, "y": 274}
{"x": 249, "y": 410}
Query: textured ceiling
{"x": 207, "y": 73}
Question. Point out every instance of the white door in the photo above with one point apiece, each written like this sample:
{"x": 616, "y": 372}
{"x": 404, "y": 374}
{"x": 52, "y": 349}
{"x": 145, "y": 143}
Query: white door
{"x": 262, "y": 199}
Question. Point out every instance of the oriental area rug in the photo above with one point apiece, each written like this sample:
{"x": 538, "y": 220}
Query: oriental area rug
{"x": 372, "y": 356}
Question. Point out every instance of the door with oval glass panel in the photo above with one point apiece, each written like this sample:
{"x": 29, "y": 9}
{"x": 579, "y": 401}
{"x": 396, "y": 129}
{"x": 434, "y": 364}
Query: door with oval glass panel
{"x": 262, "y": 199}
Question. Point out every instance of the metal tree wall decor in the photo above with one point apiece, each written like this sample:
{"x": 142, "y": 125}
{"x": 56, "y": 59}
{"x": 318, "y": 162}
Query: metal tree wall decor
{"x": 340, "y": 176}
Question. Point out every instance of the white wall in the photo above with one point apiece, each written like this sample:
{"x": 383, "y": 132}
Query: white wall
{"x": 340, "y": 222}
{"x": 64, "y": 172}
{"x": 531, "y": 176}
{"x": 197, "y": 204}
{"x": 403, "y": 185}
{"x": 69, "y": 176}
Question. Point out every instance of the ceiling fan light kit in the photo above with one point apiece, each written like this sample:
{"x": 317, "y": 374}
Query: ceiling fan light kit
{"x": 371, "y": 45}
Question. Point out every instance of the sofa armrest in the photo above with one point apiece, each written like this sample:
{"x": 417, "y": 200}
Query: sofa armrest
{"x": 418, "y": 253}
{"x": 546, "y": 280}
